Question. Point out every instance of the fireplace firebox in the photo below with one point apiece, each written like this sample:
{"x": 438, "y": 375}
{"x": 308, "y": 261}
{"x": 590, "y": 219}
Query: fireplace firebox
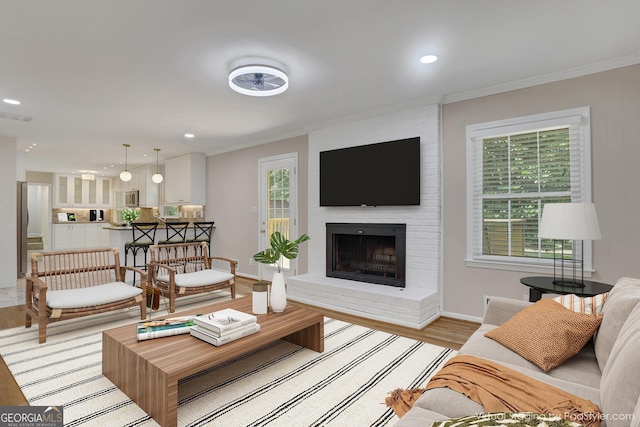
{"x": 372, "y": 253}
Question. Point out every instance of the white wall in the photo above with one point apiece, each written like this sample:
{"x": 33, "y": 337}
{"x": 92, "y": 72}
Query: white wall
{"x": 418, "y": 302}
{"x": 232, "y": 194}
{"x": 423, "y": 222}
{"x": 8, "y": 233}
{"x": 614, "y": 98}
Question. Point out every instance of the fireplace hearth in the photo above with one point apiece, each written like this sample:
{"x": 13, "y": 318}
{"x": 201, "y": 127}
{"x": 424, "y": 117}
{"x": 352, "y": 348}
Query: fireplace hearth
{"x": 372, "y": 253}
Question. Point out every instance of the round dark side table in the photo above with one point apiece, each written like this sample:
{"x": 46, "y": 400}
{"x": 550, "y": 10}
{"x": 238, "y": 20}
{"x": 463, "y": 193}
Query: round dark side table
{"x": 539, "y": 285}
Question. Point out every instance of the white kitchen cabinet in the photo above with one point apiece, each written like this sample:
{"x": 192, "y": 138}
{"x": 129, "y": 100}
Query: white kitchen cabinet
{"x": 73, "y": 191}
{"x": 104, "y": 195}
{"x": 118, "y": 199}
{"x": 68, "y": 236}
{"x": 96, "y": 193}
{"x": 186, "y": 180}
{"x": 96, "y": 236}
{"x": 62, "y": 191}
{"x": 77, "y": 236}
{"x": 81, "y": 191}
{"x": 80, "y": 236}
{"x": 148, "y": 190}
{"x": 61, "y": 237}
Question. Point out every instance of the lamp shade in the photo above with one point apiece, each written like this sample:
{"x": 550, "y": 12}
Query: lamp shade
{"x": 125, "y": 175}
{"x": 569, "y": 221}
{"x": 157, "y": 178}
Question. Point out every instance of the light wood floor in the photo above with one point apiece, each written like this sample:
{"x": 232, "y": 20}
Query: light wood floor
{"x": 445, "y": 332}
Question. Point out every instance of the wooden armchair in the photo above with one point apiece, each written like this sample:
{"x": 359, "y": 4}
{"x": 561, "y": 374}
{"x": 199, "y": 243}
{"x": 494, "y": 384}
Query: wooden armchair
{"x": 183, "y": 269}
{"x": 69, "y": 284}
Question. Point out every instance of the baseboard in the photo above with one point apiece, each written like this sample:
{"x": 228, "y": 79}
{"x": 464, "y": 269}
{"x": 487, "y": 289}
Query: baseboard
{"x": 461, "y": 316}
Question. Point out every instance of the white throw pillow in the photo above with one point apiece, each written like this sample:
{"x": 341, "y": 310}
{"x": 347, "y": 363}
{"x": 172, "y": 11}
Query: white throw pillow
{"x": 586, "y": 305}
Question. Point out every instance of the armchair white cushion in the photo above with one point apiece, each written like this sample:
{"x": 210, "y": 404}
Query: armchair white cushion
{"x": 198, "y": 278}
{"x": 92, "y": 296}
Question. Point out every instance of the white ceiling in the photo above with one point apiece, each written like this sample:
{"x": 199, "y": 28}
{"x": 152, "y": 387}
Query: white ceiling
{"x": 95, "y": 74}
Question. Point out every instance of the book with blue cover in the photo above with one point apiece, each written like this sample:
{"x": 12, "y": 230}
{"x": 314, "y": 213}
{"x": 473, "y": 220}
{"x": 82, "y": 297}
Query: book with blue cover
{"x": 164, "y": 328}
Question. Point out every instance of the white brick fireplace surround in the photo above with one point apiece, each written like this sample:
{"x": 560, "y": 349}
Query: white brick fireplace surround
{"x": 418, "y": 303}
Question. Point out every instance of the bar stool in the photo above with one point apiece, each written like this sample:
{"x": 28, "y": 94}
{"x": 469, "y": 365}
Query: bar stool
{"x": 176, "y": 233}
{"x": 144, "y": 234}
{"x": 202, "y": 232}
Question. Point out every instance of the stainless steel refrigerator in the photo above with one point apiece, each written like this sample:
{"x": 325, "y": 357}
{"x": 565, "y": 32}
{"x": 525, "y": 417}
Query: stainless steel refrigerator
{"x": 23, "y": 222}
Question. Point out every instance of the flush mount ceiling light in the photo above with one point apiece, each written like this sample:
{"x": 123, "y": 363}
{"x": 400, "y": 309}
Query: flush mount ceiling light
{"x": 258, "y": 80}
{"x": 125, "y": 175}
{"x": 11, "y": 101}
{"x": 428, "y": 59}
{"x": 157, "y": 178}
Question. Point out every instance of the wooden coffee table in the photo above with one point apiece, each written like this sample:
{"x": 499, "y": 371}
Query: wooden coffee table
{"x": 148, "y": 371}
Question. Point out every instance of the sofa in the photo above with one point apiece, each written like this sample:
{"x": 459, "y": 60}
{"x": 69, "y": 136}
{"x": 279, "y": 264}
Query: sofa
{"x": 606, "y": 371}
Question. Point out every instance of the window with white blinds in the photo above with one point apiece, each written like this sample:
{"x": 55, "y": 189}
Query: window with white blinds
{"x": 514, "y": 168}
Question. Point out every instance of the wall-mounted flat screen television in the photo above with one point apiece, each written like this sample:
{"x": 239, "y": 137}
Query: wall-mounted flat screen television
{"x": 382, "y": 174}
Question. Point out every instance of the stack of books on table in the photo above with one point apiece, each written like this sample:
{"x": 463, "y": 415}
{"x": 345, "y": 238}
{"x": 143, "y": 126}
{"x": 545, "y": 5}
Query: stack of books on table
{"x": 164, "y": 328}
{"x": 223, "y": 326}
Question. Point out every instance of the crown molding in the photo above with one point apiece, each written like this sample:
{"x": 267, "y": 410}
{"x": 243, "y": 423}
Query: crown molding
{"x": 545, "y": 78}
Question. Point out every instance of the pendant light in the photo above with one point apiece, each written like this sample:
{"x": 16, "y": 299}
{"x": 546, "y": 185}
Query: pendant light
{"x": 125, "y": 175}
{"x": 157, "y": 178}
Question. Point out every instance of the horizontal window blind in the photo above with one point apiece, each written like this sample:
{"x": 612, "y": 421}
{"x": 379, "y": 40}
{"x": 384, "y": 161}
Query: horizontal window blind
{"x": 512, "y": 176}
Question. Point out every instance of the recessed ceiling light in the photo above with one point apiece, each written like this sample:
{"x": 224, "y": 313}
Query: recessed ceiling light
{"x": 189, "y": 135}
{"x": 11, "y": 101}
{"x": 258, "y": 80}
{"x": 428, "y": 59}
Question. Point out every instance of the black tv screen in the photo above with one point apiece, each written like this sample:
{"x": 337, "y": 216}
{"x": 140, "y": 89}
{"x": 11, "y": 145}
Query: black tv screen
{"x": 382, "y": 174}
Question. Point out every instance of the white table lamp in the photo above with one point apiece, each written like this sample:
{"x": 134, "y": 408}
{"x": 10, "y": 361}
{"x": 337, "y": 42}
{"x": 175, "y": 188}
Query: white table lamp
{"x": 569, "y": 221}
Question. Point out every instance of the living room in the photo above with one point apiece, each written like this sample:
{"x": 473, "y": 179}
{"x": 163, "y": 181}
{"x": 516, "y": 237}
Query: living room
{"x": 442, "y": 278}
{"x": 612, "y": 97}
{"x": 608, "y": 88}
{"x": 610, "y": 94}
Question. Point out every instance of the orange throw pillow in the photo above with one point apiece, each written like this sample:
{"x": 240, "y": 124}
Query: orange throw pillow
{"x": 546, "y": 333}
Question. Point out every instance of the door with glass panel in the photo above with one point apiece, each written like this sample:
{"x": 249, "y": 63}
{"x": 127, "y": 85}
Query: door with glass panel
{"x": 278, "y": 207}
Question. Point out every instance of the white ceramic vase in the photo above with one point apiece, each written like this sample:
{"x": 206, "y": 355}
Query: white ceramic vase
{"x": 278, "y": 297}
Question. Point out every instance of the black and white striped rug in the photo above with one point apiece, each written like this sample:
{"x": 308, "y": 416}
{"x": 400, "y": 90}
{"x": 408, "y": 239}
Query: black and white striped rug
{"x": 278, "y": 385}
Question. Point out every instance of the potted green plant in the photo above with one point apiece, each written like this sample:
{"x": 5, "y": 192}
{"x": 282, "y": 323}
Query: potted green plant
{"x": 280, "y": 247}
{"x": 130, "y": 215}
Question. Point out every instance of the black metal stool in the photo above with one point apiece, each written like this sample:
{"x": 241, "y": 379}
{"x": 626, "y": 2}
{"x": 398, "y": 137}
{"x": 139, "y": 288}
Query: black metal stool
{"x": 144, "y": 234}
{"x": 176, "y": 233}
{"x": 202, "y": 232}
